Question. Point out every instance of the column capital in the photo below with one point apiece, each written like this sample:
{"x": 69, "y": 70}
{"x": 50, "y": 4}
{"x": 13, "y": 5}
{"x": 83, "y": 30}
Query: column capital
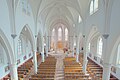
{"x": 14, "y": 64}
{"x": 106, "y": 71}
{"x": 36, "y": 36}
{"x": 105, "y": 36}
{"x": 13, "y": 36}
{"x": 106, "y": 64}
{"x": 83, "y": 36}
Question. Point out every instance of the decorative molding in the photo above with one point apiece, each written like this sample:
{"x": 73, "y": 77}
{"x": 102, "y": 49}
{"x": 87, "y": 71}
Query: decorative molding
{"x": 36, "y": 36}
{"x": 13, "y": 36}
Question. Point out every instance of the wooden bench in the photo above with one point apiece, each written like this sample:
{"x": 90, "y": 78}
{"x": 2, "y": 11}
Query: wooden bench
{"x": 46, "y": 70}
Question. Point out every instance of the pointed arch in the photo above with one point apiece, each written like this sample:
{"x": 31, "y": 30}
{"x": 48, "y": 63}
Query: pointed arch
{"x": 28, "y": 33}
{"x": 118, "y": 53}
{"x": 114, "y": 58}
{"x": 6, "y": 45}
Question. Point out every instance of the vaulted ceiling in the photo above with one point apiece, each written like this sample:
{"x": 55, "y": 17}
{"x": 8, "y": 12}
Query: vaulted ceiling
{"x": 51, "y": 12}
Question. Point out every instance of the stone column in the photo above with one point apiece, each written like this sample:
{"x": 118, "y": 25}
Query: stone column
{"x": 13, "y": 67}
{"x": 35, "y": 61}
{"x": 49, "y": 42}
{"x": 56, "y": 40}
{"x": 42, "y": 53}
{"x": 77, "y": 57}
{"x": 84, "y": 56}
{"x": 85, "y": 61}
{"x": 63, "y": 37}
{"x": 13, "y": 72}
{"x": 69, "y": 42}
{"x": 35, "y": 56}
{"x": 106, "y": 71}
{"x": 72, "y": 44}
{"x": 77, "y": 49}
{"x": 47, "y": 46}
{"x": 106, "y": 64}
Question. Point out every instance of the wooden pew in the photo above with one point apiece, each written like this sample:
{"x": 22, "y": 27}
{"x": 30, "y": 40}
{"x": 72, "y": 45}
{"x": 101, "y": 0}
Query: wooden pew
{"x": 94, "y": 69}
{"x": 46, "y": 70}
{"x": 73, "y": 70}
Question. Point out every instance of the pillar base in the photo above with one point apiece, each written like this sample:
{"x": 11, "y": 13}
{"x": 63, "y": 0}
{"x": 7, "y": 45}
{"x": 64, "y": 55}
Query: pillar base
{"x": 85, "y": 66}
{"x": 77, "y": 57}
{"x": 46, "y": 55}
{"x": 43, "y": 57}
{"x": 13, "y": 72}
{"x": 73, "y": 54}
{"x": 35, "y": 62}
{"x": 106, "y": 71}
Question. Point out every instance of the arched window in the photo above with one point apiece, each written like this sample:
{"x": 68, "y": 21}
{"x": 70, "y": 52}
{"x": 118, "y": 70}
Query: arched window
{"x": 66, "y": 34}
{"x": 99, "y": 47}
{"x": 118, "y": 58}
{"x": 93, "y": 6}
{"x": 28, "y": 47}
{"x": 79, "y": 19}
{"x": 59, "y": 34}
{"x": 19, "y": 46}
{"x": 89, "y": 47}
